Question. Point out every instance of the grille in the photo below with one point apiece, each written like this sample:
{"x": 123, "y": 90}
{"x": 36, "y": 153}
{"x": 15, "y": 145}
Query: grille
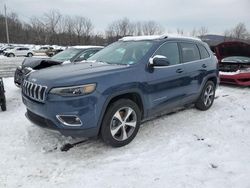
{"x": 34, "y": 91}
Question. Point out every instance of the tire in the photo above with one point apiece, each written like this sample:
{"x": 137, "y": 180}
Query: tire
{"x": 3, "y": 106}
{"x": 206, "y": 99}
{"x": 11, "y": 55}
{"x": 118, "y": 133}
{"x": 29, "y": 55}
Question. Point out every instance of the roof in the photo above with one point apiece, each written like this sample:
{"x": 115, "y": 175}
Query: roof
{"x": 156, "y": 37}
{"x": 86, "y": 47}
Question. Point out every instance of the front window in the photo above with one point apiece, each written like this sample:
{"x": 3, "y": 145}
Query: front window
{"x": 66, "y": 55}
{"x": 124, "y": 53}
{"x": 170, "y": 50}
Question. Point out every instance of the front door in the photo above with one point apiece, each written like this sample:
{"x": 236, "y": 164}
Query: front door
{"x": 166, "y": 83}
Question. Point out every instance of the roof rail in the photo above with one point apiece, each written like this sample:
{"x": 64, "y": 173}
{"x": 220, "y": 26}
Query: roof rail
{"x": 155, "y": 37}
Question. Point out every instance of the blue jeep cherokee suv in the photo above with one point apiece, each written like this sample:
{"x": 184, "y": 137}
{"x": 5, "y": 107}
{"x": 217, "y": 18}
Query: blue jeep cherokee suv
{"x": 131, "y": 80}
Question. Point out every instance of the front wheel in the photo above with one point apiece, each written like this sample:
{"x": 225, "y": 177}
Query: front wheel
{"x": 206, "y": 98}
{"x": 11, "y": 55}
{"x": 121, "y": 123}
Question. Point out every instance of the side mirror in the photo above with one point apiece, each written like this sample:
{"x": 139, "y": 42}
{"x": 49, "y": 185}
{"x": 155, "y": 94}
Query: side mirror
{"x": 158, "y": 61}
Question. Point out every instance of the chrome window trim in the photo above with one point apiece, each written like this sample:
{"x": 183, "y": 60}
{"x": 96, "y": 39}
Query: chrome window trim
{"x": 181, "y": 63}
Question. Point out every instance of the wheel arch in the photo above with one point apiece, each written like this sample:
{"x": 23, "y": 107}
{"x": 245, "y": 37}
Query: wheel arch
{"x": 133, "y": 95}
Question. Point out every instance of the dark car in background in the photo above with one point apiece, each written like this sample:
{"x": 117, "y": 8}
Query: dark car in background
{"x": 234, "y": 62}
{"x": 70, "y": 55}
{"x": 132, "y": 80}
{"x": 2, "y": 95}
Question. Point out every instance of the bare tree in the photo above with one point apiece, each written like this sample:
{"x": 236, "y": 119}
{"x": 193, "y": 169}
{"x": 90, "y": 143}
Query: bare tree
{"x": 202, "y": 31}
{"x": 240, "y": 31}
{"x": 82, "y": 26}
{"x": 194, "y": 32}
{"x": 151, "y": 28}
{"x": 138, "y": 28}
{"x": 52, "y": 19}
{"x": 180, "y": 31}
{"x": 228, "y": 35}
{"x": 39, "y": 30}
{"x": 119, "y": 28}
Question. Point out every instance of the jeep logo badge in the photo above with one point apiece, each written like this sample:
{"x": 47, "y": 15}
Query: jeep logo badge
{"x": 33, "y": 80}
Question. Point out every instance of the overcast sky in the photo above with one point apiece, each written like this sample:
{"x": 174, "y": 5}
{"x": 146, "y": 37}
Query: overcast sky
{"x": 216, "y": 15}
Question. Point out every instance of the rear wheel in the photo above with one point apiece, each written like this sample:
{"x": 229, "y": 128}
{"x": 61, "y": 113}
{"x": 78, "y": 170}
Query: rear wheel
{"x": 121, "y": 123}
{"x": 206, "y": 98}
{"x": 29, "y": 55}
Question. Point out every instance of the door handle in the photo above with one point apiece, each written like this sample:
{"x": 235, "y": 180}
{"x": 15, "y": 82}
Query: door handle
{"x": 204, "y": 66}
{"x": 179, "y": 70}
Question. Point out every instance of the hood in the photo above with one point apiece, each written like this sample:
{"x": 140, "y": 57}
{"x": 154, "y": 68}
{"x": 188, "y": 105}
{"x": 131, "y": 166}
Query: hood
{"x": 73, "y": 73}
{"x": 38, "y": 63}
{"x": 233, "y": 48}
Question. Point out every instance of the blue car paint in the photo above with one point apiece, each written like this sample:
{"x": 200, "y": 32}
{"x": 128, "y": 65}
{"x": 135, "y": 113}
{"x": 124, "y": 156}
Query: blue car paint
{"x": 159, "y": 89}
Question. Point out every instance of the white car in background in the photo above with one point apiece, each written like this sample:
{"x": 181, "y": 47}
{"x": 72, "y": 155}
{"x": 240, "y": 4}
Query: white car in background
{"x": 19, "y": 51}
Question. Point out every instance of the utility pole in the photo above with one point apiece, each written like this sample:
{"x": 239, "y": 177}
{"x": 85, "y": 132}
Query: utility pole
{"x": 6, "y": 24}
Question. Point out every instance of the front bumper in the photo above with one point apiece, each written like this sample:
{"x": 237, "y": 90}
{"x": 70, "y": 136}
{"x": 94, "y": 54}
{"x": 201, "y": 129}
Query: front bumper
{"x": 242, "y": 79}
{"x": 48, "y": 124}
{"x": 85, "y": 107}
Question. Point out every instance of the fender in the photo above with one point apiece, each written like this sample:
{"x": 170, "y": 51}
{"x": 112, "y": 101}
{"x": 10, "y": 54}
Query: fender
{"x": 116, "y": 94}
{"x": 209, "y": 77}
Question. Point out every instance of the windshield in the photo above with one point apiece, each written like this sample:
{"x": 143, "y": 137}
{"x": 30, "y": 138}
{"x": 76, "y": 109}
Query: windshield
{"x": 66, "y": 54}
{"x": 124, "y": 53}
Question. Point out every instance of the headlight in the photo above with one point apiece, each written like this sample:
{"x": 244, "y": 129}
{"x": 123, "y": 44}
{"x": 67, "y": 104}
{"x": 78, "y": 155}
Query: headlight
{"x": 74, "y": 90}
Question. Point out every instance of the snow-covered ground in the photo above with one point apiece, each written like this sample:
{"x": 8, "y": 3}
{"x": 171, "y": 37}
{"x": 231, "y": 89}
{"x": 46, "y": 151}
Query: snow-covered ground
{"x": 190, "y": 148}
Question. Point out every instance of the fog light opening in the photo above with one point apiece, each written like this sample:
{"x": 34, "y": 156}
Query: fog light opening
{"x": 69, "y": 120}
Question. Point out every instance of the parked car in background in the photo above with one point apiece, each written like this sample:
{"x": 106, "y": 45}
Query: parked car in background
{"x": 4, "y": 48}
{"x": 73, "y": 54}
{"x": 234, "y": 62}
{"x": 2, "y": 95}
{"x": 42, "y": 50}
{"x": 132, "y": 80}
{"x": 52, "y": 52}
{"x": 19, "y": 51}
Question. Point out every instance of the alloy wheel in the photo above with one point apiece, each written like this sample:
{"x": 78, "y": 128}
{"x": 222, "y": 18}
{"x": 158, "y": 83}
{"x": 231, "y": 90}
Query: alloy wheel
{"x": 208, "y": 95}
{"x": 123, "y": 123}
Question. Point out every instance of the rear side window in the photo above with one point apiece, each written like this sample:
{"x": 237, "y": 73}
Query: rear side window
{"x": 171, "y": 51}
{"x": 203, "y": 51}
{"x": 190, "y": 52}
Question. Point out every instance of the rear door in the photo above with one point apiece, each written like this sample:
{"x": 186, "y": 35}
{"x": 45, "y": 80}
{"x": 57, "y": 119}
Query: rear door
{"x": 195, "y": 67}
{"x": 24, "y": 51}
{"x": 18, "y": 52}
{"x": 166, "y": 83}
